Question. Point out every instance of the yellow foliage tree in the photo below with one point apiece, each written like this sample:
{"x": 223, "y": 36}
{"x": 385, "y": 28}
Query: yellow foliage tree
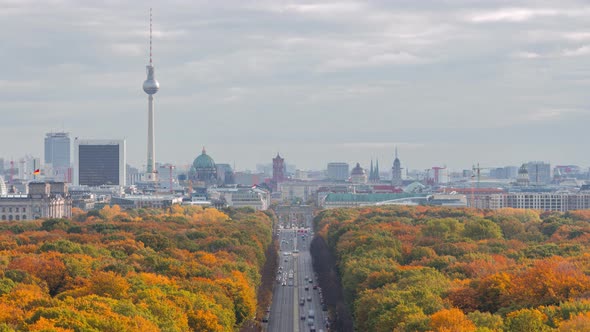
{"x": 201, "y": 320}
{"x": 108, "y": 212}
{"x": 109, "y": 284}
{"x": 46, "y": 325}
{"x": 578, "y": 323}
{"x": 451, "y": 320}
{"x": 213, "y": 215}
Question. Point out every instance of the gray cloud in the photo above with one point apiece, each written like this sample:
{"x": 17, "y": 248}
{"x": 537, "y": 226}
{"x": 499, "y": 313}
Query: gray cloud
{"x": 317, "y": 80}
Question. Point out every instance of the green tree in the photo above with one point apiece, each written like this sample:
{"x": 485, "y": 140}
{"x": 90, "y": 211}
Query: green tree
{"x": 480, "y": 229}
{"x": 526, "y": 320}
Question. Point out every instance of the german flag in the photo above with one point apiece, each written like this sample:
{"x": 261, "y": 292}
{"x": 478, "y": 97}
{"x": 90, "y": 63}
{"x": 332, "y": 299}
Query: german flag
{"x": 37, "y": 172}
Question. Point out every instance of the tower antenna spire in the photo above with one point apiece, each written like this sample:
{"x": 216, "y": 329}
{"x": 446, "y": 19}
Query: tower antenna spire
{"x": 150, "y": 36}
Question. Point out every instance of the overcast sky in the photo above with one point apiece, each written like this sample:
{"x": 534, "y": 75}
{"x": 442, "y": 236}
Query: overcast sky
{"x": 448, "y": 82}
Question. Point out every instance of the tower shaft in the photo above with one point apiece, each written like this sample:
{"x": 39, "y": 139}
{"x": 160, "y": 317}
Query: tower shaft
{"x": 151, "y": 152}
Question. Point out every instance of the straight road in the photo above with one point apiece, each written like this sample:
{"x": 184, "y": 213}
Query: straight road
{"x": 296, "y": 305}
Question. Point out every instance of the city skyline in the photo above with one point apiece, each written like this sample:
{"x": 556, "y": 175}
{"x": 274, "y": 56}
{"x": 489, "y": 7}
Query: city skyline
{"x": 499, "y": 84}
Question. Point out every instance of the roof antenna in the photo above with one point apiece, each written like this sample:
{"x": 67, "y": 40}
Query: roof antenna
{"x": 150, "y": 36}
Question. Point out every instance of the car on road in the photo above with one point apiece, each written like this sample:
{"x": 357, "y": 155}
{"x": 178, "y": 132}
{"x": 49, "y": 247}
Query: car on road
{"x": 302, "y": 301}
{"x": 315, "y": 286}
{"x": 310, "y": 321}
{"x": 309, "y": 299}
{"x": 302, "y": 316}
{"x": 306, "y": 288}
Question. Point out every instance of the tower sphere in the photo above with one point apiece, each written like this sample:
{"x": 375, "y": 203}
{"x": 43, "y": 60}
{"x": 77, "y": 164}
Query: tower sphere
{"x": 151, "y": 85}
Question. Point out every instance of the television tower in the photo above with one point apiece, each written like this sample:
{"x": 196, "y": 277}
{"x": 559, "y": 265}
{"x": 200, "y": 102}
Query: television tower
{"x": 151, "y": 86}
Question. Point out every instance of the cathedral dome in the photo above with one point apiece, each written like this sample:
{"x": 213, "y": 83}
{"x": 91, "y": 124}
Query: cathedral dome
{"x": 358, "y": 175}
{"x": 204, "y": 161}
{"x": 358, "y": 170}
{"x": 523, "y": 169}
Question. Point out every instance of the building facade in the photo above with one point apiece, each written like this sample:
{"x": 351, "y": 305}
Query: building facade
{"x": 539, "y": 172}
{"x": 304, "y": 190}
{"x": 278, "y": 171}
{"x": 338, "y": 171}
{"x": 552, "y": 201}
{"x": 358, "y": 175}
{"x": 204, "y": 170}
{"x": 99, "y": 162}
{"x": 256, "y": 198}
{"x": 44, "y": 200}
{"x": 523, "y": 179}
{"x": 58, "y": 149}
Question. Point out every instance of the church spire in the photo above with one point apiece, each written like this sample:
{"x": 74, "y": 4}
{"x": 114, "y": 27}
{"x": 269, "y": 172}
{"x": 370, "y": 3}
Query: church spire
{"x": 377, "y": 178}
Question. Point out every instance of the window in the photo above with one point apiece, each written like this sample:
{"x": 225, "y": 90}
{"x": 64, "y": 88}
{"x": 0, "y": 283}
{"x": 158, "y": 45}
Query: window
{"x": 24, "y": 217}
{"x": 3, "y": 209}
{"x": 24, "y": 209}
{"x": 16, "y": 209}
{"x": 9, "y": 209}
{"x": 10, "y": 217}
{"x": 17, "y": 217}
{"x": 3, "y": 217}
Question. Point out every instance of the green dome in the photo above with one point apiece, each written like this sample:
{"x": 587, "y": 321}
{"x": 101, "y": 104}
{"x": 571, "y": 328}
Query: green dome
{"x": 203, "y": 161}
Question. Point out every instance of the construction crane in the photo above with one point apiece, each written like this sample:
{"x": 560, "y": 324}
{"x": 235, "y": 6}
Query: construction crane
{"x": 477, "y": 172}
{"x": 477, "y": 175}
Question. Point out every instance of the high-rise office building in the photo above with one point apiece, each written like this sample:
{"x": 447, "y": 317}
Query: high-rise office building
{"x": 539, "y": 172}
{"x": 338, "y": 171}
{"x": 99, "y": 162}
{"x": 506, "y": 172}
{"x": 57, "y": 156}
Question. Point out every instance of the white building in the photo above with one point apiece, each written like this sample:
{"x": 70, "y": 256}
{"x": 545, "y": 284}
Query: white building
{"x": 45, "y": 200}
{"x": 3, "y": 188}
{"x": 554, "y": 201}
{"x": 255, "y": 198}
{"x": 304, "y": 190}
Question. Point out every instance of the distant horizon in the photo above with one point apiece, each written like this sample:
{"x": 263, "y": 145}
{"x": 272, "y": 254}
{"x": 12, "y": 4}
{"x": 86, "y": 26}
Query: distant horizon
{"x": 494, "y": 83}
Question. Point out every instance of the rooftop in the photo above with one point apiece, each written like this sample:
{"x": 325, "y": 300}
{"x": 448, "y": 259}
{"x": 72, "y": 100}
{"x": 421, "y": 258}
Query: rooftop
{"x": 371, "y": 198}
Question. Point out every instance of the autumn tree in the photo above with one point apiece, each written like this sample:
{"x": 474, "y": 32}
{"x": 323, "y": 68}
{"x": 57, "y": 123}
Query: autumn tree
{"x": 451, "y": 320}
{"x": 526, "y": 320}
